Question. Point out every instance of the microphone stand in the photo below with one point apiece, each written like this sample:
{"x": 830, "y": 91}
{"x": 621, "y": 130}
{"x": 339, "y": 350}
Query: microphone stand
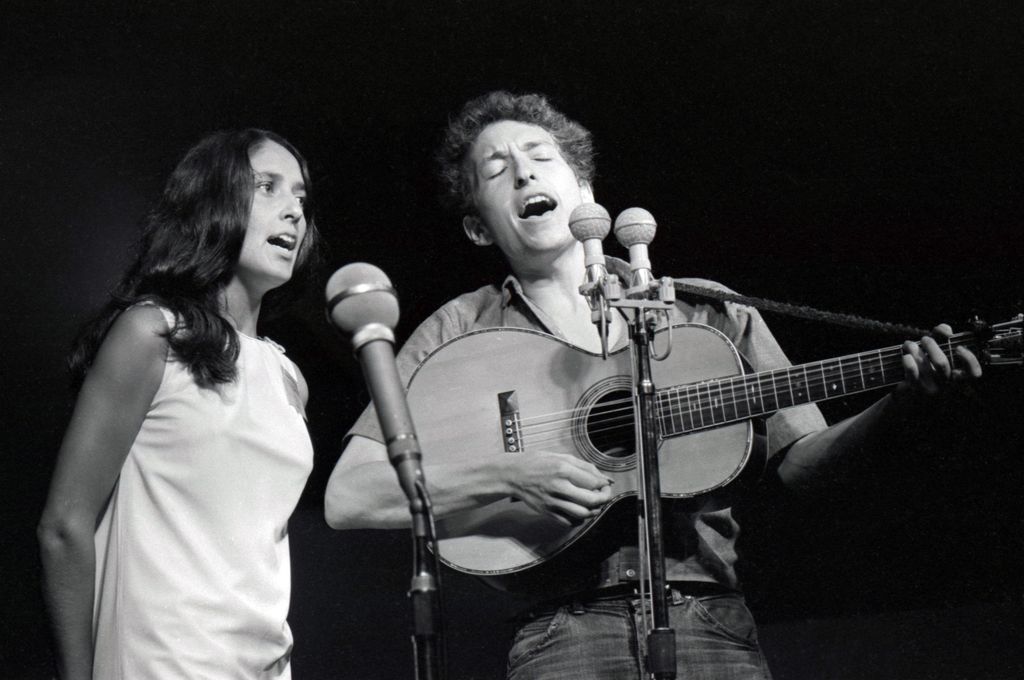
{"x": 424, "y": 591}
{"x": 404, "y": 454}
{"x": 645, "y": 299}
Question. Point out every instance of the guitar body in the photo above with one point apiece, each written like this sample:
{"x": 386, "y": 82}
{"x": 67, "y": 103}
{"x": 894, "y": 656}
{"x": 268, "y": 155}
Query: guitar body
{"x": 514, "y": 392}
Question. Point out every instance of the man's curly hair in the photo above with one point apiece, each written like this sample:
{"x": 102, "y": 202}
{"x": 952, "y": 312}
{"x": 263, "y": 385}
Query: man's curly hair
{"x": 574, "y": 140}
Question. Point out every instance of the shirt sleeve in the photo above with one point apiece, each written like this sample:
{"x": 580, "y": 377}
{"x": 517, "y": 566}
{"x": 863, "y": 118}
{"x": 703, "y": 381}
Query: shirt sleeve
{"x": 758, "y": 346}
{"x": 437, "y": 329}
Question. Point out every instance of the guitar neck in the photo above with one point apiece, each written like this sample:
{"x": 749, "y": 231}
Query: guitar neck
{"x": 712, "y": 403}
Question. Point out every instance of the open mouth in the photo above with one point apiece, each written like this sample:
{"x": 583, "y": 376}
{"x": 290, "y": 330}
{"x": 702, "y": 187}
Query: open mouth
{"x": 284, "y": 241}
{"x": 537, "y": 205}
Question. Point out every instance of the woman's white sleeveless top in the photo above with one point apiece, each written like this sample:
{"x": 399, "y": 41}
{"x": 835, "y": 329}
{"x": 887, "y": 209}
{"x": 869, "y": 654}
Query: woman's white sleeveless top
{"x": 193, "y": 577}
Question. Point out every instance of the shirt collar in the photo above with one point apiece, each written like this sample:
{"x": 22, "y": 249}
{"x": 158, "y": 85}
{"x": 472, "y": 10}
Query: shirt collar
{"x": 512, "y": 287}
{"x": 509, "y": 289}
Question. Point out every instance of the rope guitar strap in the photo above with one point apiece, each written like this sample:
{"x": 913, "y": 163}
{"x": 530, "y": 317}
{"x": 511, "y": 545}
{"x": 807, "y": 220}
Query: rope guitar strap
{"x": 800, "y": 311}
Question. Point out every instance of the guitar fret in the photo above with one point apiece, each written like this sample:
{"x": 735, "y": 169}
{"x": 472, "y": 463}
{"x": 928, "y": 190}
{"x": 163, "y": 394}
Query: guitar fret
{"x": 812, "y": 387}
{"x": 716, "y": 402}
{"x": 853, "y": 385}
{"x": 766, "y": 396}
{"x": 843, "y": 387}
{"x": 834, "y": 382}
{"x": 721, "y": 402}
{"x": 676, "y": 411}
{"x": 680, "y": 400}
{"x": 737, "y": 403}
{"x": 664, "y": 406}
{"x": 710, "y": 405}
{"x": 775, "y": 395}
{"x": 784, "y": 400}
{"x": 728, "y": 405}
{"x": 824, "y": 378}
{"x": 789, "y": 386}
{"x": 691, "y": 423}
{"x": 699, "y": 404}
{"x": 759, "y": 392}
{"x": 779, "y": 404}
{"x": 660, "y": 410}
{"x": 691, "y": 419}
{"x": 829, "y": 378}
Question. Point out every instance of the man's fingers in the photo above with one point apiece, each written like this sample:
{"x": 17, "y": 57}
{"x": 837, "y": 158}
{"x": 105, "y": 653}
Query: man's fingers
{"x": 937, "y": 362}
{"x": 917, "y": 368}
{"x": 928, "y": 364}
{"x": 911, "y": 360}
{"x": 590, "y": 498}
{"x": 584, "y": 474}
{"x": 568, "y": 512}
{"x": 972, "y": 367}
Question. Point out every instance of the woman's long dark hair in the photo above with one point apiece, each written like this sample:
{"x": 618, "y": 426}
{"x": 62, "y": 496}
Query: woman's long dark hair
{"x": 190, "y": 245}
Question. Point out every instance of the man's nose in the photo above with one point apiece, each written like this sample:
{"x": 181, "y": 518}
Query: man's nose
{"x": 524, "y": 174}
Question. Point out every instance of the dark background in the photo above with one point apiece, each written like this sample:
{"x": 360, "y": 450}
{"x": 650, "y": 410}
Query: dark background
{"x": 862, "y": 156}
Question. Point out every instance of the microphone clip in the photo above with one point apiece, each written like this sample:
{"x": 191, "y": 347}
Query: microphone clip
{"x": 599, "y": 294}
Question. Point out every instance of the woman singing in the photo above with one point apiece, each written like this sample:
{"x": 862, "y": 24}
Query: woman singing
{"x": 164, "y": 536}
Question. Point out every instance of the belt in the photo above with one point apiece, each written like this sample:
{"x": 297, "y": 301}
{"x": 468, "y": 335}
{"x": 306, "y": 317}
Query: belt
{"x": 632, "y": 589}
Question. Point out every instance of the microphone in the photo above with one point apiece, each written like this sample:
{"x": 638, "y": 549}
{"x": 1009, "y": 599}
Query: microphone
{"x": 589, "y": 224}
{"x": 634, "y": 228}
{"x": 363, "y": 305}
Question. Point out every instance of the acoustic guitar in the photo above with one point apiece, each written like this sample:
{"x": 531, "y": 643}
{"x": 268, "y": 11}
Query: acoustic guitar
{"x": 510, "y": 392}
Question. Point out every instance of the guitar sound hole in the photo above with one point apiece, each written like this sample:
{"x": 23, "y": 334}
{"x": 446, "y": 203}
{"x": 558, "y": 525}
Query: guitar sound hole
{"x": 610, "y": 425}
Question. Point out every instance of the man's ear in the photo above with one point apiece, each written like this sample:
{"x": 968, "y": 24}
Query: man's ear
{"x": 476, "y": 230}
{"x": 587, "y": 192}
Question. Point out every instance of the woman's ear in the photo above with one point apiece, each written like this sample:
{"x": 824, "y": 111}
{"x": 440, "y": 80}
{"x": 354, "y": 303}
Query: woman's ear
{"x": 476, "y": 230}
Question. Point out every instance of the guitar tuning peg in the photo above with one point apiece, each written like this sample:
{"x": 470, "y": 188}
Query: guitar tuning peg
{"x": 979, "y": 327}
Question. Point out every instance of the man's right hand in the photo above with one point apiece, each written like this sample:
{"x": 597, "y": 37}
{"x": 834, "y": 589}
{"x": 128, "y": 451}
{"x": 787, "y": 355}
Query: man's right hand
{"x": 561, "y": 485}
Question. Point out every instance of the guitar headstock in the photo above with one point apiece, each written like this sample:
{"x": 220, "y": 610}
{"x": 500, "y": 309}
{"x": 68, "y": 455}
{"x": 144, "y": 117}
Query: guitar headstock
{"x": 1001, "y": 343}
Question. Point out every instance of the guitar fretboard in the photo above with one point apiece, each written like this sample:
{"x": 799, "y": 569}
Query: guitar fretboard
{"x": 712, "y": 403}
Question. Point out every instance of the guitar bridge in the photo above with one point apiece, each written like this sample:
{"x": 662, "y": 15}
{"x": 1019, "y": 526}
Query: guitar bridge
{"x": 511, "y": 433}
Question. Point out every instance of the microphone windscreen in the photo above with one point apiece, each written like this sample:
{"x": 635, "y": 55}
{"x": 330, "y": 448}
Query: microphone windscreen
{"x": 589, "y": 220}
{"x": 634, "y": 226}
{"x": 359, "y": 294}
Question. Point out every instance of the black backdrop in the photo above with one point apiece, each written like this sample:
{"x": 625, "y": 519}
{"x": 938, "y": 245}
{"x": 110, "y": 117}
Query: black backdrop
{"x": 857, "y": 156}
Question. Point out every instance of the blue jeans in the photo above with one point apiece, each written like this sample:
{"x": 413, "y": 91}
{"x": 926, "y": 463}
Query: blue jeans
{"x": 716, "y": 639}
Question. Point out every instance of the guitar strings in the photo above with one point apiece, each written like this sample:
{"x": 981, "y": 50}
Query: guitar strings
{"x": 547, "y": 429}
{"x": 844, "y": 364}
{"x": 617, "y": 414}
{"x": 813, "y": 380}
{"x": 551, "y": 426}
